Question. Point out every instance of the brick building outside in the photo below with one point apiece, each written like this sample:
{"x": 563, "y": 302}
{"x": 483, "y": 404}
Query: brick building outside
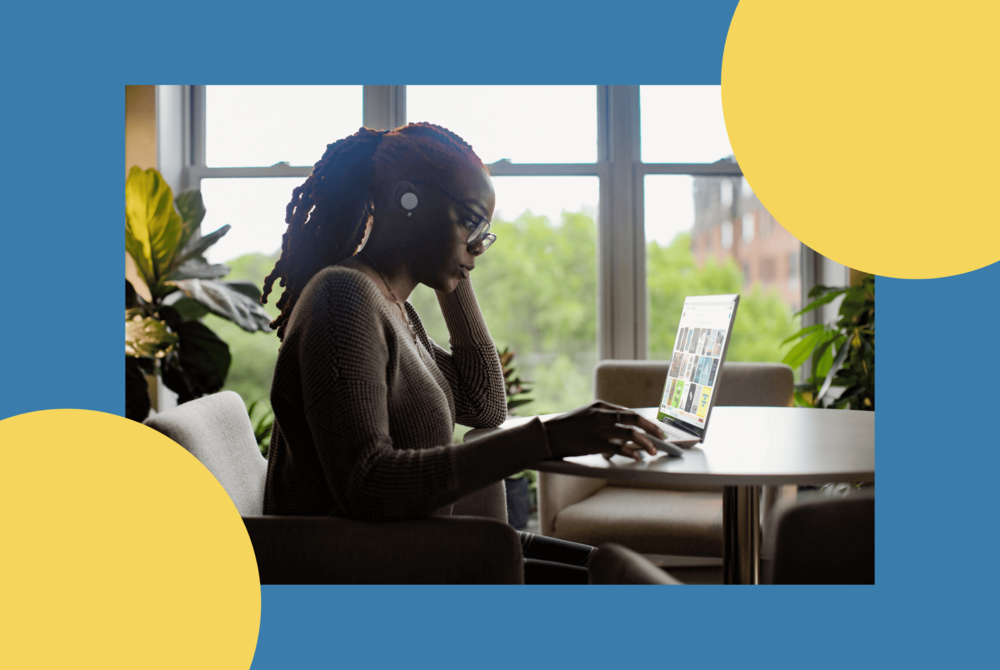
{"x": 730, "y": 222}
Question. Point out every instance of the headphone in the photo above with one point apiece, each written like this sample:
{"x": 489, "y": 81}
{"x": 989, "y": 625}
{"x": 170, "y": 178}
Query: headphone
{"x": 409, "y": 202}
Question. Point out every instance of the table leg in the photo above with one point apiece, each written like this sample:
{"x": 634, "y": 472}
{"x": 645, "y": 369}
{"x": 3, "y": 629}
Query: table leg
{"x": 741, "y": 531}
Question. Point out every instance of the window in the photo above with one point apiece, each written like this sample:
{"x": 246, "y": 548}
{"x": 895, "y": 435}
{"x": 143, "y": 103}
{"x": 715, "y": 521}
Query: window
{"x": 693, "y": 188}
{"x": 726, "y": 231}
{"x": 748, "y": 228}
{"x": 259, "y": 126}
{"x": 520, "y": 124}
{"x": 537, "y": 285}
{"x": 617, "y": 199}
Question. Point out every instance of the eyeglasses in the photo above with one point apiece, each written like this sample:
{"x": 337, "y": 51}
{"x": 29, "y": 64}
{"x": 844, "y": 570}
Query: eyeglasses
{"x": 480, "y": 232}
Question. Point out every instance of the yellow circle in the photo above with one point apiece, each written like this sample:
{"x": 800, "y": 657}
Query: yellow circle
{"x": 869, "y": 129}
{"x": 120, "y": 550}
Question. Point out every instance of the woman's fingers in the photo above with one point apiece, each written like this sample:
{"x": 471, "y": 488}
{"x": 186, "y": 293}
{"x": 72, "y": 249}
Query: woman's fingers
{"x": 649, "y": 426}
{"x": 629, "y": 417}
{"x": 642, "y": 442}
{"x": 631, "y": 443}
{"x": 633, "y": 450}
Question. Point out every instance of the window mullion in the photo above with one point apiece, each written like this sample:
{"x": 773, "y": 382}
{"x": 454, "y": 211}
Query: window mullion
{"x": 622, "y": 311}
{"x": 384, "y": 107}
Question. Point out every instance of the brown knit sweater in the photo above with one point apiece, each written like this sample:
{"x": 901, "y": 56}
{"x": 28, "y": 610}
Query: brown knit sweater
{"x": 364, "y": 419}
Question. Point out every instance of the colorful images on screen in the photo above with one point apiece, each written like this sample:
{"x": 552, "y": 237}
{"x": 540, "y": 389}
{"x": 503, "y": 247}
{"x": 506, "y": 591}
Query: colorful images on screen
{"x": 696, "y": 361}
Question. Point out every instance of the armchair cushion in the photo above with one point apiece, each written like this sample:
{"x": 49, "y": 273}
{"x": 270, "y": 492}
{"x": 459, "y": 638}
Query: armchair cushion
{"x": 332, "y": 550}
{"x": 216, "y": 430}
{"x": 679, "y": 523}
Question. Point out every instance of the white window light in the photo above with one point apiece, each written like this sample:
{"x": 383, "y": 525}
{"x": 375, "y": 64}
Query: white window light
{"x": 748, "y": 227}
{"x": 727, "y": 234}
{"x": 726, "y": 193}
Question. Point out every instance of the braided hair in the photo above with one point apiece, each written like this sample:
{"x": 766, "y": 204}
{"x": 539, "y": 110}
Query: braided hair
{"x": 330, "y": 212}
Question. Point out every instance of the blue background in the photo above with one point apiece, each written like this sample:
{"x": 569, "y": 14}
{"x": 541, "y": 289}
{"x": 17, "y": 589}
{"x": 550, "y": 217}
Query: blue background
{"x": 60, "y": 344}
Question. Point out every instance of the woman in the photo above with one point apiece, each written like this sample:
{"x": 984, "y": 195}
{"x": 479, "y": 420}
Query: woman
{"x": 365, "y": 403}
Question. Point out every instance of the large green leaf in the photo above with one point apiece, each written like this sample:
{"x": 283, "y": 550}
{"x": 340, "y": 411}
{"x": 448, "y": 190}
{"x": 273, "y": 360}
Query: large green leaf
{"x": 188, "y": 309}
{"x": 200, "y": 364}
{"x": 247, "y": 288}
{"x": 834, "y": 368}
{"x": 800, "y": 352}
{"x": 804, "y": 331}
{"x": 197, "y": 247}
{"x": 823, "y": 358}
{"x": 223, "y": 301}
{"x": 192, "y": 210}
{"x": 197, "y": 268}
{"x": 153, "y": 229}
{"x": 829, "y": 297}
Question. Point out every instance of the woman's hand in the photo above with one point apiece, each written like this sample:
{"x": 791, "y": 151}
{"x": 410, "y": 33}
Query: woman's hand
{"x": 600, "y": 428}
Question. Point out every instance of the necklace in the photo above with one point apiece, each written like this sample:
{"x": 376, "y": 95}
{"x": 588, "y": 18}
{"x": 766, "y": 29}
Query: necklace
{"x": 402, "y": 311}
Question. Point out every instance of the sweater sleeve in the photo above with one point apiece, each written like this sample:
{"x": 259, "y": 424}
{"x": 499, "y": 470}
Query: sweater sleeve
{"x": 472, "y": 367}
{"x": 344, "y": 347}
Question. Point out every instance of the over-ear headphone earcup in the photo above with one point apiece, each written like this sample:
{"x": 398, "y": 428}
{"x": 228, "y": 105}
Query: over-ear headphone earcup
{"x": 409, "y": 201}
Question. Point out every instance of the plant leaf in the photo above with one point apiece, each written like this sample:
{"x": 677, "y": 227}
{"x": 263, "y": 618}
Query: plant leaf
{"x": 822, "y": 366}
{"x": 191, "y": 209}
{"x": 829, "y": 297}
{"x": 197, "y": 268}
{"x": 804, "y": 399}
{"x": 804, "y": 331}
{"x": 801, "y": 351}
{"x": 198, "y": 247}
{"x": 153, "y": 229}
{"x": 200, "y": 365}
{"x": 247, "y": 288}
{"x": 223, "y": 301}
{"x": 837, "y": 363}
{"x": 187, "y": 308}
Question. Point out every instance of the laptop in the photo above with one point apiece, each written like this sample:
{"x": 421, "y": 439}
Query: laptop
{"x": 692, "y": 381}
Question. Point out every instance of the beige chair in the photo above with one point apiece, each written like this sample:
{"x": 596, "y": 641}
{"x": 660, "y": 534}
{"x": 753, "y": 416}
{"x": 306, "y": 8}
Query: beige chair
{"x": 816, "y": 541}
{"x": 655, "y": 519}
{"x": 329, "y": 550}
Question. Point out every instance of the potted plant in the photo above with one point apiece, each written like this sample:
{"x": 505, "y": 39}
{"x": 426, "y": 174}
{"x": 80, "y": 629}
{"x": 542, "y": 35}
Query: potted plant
{"x": 842, "y": 358}
{"x": 163, "y": 334}
{"x": 521, "y": 488}
{"x": 842, "y": 354}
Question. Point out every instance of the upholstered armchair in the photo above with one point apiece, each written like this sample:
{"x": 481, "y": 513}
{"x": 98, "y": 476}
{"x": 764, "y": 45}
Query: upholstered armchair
{"x": 815, "y": 541}
{"x": 471, "y": 549}
{"x": 648, "y": 518}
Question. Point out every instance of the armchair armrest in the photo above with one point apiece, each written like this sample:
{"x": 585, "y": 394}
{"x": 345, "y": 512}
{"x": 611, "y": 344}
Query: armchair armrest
{"x": 438, "y": 550}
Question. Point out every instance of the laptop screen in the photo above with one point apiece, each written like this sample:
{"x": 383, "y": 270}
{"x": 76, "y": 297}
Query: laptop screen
{"x": 700, "y": 348}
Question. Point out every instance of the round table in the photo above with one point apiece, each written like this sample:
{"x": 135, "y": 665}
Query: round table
{"x": 746, "y": 448}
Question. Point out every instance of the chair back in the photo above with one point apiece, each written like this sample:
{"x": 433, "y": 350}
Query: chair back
{"x": 826, "y": 541}
{"x": 216, "y": 430}
{"x": 640, "y": 383}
